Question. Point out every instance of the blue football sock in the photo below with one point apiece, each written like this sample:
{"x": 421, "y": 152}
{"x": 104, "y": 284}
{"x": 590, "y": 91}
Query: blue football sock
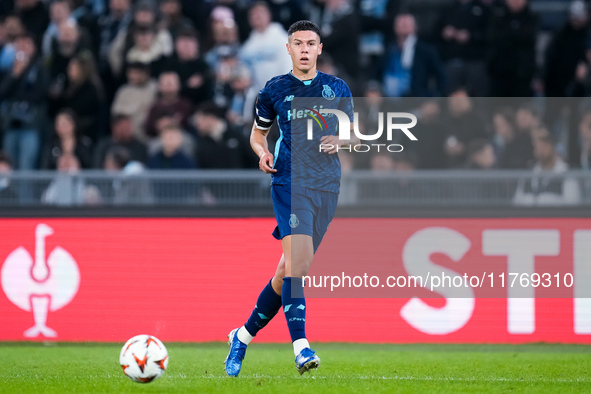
{"x": 294, "y": 307}
{"x": 267, "y": 306}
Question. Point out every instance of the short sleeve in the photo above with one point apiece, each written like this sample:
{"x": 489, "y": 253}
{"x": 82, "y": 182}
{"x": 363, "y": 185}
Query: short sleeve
{"x": 346, "y": 101}
{"x": 265, "y": 113}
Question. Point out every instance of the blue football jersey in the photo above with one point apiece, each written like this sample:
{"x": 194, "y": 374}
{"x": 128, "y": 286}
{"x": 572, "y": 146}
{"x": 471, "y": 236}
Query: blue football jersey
{"x": 298, "y": 159}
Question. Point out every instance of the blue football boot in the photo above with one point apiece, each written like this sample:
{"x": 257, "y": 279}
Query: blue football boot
{"x": 236, "y": 355}
{"x": 307, "y": 360}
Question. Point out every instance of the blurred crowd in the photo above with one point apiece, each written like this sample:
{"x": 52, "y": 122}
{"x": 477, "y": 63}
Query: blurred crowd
{"x": 171, "y": 84}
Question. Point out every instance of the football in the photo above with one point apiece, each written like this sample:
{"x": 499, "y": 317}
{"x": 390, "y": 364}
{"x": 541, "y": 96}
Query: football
{"x": 143, "y": 358}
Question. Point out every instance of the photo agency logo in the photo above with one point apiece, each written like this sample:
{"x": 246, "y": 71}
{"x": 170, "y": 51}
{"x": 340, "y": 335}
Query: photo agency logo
{"x": 367, "y": 142}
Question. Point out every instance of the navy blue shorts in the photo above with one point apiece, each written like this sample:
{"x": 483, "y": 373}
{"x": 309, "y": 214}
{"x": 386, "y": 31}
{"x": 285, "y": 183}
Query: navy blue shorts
{"x": 302, "y": 211}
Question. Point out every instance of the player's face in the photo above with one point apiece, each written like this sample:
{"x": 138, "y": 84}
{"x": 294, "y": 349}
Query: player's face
{"x": 304, "y": 48}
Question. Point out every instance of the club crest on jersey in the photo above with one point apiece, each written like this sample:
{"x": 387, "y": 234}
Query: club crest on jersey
{"x": 327, "y": 92}
{"x": 293, "y": 221}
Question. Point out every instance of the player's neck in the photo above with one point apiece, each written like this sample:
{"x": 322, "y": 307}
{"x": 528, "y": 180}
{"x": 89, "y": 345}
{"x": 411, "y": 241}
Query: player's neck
{"x": 304, "y": 76}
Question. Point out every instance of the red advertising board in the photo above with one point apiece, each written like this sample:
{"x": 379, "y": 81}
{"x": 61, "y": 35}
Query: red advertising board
{"x": 193, "y": 280}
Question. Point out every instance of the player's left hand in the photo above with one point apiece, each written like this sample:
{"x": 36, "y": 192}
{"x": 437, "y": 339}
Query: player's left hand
{"x": 332, "y": 143}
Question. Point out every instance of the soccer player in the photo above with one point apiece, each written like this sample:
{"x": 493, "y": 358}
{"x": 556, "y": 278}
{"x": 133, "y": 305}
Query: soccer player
{"x": 304, "y": 190}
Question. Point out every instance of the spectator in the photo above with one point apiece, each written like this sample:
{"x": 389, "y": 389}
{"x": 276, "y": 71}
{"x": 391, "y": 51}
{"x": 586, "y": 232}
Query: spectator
{"x": 382, "y": 162}
{"x": 60, "y": 12}
{"x": 580, "y": 83}
{"x": 118, "y": 158}
{"x": 167, "y": 120}
{"x": 171, "y": 156}
{"x": 528, "y": 119}
{"x": 68, "y": 190}
{"x": 431, "y": 135}
{"x": 375, "y": 20}
{"x": 135, "y": 98}
{"x": 517, "y": 136}
{"x": 547, "y": 187}
{"x": 7, "y": 50}
{"x": 566, "y": 51}
{"x": 127, "y": 189}
{"x": 286, "y": 12}
{"x": 14, "y": 28}
{"x": 88, "y": 20}
{"x": 264, "y": 51}
{"x": 369, "y": 111}
{"x": 224, "y": 47}
{"x": 66, "y": 139}
{"x": 34, "y": 16}
{"x": 464, "y": 125}
{"x": 169, "y": 101}
{"x": 326, "y": 65}
{"x": 504, "y": 132}
{"x": 22, "y": 105}
{"x": 402, "y": 187}
{"x": 198, "y": 12}
{"x": 155, "y": 45}
{"x": 110, "y": 25}
{"x": 147, "y": 49}
{"x": 69, "y": 44}
{"x": 410, "y": 64}
{"x": 340, "y": 24}
{"x": 94, "y": 8}
{"x": 583, "y": 159}
{"x": 121, "y": 136}
{"x": 240, "y": 111}
{"x": 193, "y": 71}
{"x": 83, "y": 94}
{"x": 481, "y": 155}
{"x": 237, "y": 11}
{"x": 219, "y": 145}
{"x": 512, "y": 64}
{"x": 8, "y": 193}
{"x": 463, "y": 43}
{"x": 173, "y": 19}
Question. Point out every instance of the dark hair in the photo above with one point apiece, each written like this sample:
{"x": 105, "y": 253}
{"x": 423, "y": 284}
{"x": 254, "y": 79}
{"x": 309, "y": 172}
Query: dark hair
{"x": 68, "y": 3}
{"x": 188, "y": 32}
{"x": 70, "y": 113}
{"x": 477, "y": 146}
{"x": 116, "y": 118}
{"x": 546, "y": 138}
{"x": 142, "y": 29}
{"x": 120, "y": 155}
{"x": 406, "y": 157}
{"x": 303, "y": 26}
{"x": 210, "y": 108}
{"x": 144, "y": 5}
{"x": 529, "y": 108}
{"x": 164, "y": 114}
{"x": 140, "y": 66}
{"x": 27, "y": 35}
{"x": 259, "y": 3}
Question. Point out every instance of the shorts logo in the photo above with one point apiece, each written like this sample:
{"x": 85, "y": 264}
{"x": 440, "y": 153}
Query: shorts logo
{"x": 327, "y": 92}
{"x": 293, "y": 221}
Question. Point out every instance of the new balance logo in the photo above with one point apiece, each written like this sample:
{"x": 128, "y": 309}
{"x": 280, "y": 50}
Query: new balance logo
{"x": 288, "y": 98}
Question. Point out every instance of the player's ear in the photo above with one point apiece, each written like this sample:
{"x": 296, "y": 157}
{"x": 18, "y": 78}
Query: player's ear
{"x": 320, "y": 49}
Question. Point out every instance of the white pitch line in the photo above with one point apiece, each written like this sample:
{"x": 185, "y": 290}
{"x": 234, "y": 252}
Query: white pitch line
{"x": 419, "y": 378}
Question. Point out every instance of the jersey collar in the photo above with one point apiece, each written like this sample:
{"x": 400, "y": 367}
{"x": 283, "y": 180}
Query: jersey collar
{"x": 307, "y": 82}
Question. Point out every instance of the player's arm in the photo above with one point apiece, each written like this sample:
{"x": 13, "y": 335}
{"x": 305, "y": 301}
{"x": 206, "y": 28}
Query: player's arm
{"x": 260, "y": 146}
{"x": 332, "y": 143}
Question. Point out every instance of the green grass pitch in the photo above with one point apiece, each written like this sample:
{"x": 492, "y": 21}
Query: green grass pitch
{"x": 197, "y": 368}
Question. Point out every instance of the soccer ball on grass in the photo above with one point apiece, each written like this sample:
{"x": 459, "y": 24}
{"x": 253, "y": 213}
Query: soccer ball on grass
{"x": 143, "y": 358}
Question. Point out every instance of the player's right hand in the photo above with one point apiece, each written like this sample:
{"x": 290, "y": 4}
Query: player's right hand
{"x": 266, "y": 163}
